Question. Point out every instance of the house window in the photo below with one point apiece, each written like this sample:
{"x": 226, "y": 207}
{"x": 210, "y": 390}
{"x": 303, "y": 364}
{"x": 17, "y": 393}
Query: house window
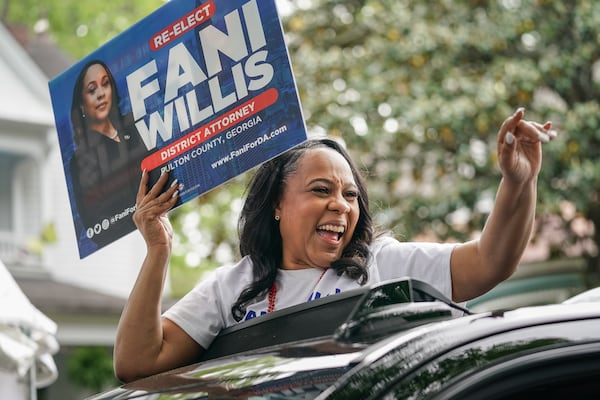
{"x": 7, "y": 163}
{"x": 20, "y": 204}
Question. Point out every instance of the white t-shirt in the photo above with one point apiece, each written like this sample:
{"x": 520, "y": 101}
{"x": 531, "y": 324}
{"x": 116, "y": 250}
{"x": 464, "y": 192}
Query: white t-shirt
{"x": 206, "y": 309}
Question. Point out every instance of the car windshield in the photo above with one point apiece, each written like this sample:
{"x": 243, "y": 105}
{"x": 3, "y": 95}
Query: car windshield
{"x": 270, "y": 376}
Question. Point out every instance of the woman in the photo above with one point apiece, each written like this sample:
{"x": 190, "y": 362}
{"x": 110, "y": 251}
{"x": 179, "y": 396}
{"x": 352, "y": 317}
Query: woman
{"x": 305, "y": 232}
{"x": 105, "y": 167}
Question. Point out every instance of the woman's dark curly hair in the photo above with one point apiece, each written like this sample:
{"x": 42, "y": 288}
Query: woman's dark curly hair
{"x": 77, "y": 118}
{"x": 259, "y": 232}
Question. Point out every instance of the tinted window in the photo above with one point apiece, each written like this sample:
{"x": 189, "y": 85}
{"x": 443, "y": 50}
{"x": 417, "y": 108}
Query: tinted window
{"x": 567, "y": 373}
{"x": 491, "y": 368}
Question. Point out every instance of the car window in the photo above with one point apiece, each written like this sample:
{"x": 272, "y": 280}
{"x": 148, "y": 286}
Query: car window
{"x": 565, "y": 373}
{"x": 492, "y": 368}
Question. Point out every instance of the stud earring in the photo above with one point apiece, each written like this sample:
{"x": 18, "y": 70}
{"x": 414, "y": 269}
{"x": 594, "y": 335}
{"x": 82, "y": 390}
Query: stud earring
{"x": 277, "y": 218}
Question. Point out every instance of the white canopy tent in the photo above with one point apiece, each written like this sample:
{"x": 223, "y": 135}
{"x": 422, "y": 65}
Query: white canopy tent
{"x": 27, "y": 343}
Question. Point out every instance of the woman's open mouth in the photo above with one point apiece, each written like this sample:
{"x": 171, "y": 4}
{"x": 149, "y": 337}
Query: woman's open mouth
{"x": 331, "y": 232}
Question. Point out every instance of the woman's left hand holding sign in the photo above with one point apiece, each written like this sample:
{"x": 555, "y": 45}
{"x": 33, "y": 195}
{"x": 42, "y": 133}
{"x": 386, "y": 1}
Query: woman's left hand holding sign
{"x": 150, "y": 216}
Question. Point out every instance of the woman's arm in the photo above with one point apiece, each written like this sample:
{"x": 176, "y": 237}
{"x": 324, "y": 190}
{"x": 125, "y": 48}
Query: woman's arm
{"x": 479, "y": 265}
{"x": 145, "y": 343}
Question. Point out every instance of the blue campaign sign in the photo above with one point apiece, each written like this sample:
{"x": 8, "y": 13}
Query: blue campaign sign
{"x": 202, "y": 90}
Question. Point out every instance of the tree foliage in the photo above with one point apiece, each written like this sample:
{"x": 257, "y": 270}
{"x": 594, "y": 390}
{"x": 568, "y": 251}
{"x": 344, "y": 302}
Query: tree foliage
{"x": 418, "y": 91}
{"x": 78, "y": 26}
{"x": 91, "y": 367}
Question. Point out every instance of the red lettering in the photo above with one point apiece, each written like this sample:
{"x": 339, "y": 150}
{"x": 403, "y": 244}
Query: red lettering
{"x": 197, "y": 16}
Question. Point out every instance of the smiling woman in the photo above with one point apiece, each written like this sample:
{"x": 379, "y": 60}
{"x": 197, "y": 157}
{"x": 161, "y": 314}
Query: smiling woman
{"x": 306, "y": 232}
{"x": 322, "y": 193}
{"x": 105, "y": 166}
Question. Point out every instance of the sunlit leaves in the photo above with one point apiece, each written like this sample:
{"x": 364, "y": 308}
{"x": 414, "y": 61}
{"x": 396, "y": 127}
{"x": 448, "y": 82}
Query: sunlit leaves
{"x": 448, "y": 73}
{"x": 79, "y": 26}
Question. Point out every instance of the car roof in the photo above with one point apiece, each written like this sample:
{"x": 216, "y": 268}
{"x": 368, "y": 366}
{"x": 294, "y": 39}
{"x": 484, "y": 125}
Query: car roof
{"x": 407, "y": 357}
{"x": 355, "y": 315}
{"x": 591, "y": 295}
{"x": 329, "y": 364}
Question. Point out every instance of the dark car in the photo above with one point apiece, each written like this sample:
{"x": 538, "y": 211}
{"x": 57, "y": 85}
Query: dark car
{"x": 398, "y": 340}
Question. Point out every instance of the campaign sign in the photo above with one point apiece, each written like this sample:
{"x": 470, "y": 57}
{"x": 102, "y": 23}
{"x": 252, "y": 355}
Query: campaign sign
{"x": 201, "y": 90}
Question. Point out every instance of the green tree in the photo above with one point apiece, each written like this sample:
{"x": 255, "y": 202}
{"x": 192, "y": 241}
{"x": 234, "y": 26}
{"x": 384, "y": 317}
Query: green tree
{"x": 79, "y": 27}
{"x": 91, "y": 367}
{"x": 419, "y": 89}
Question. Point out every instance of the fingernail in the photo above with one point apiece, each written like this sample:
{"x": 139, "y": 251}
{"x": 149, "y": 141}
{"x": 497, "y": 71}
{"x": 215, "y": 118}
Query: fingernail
{"x": 143, "y": 172}
{"x": 509, "y": 138}
{"x": 552, "y": 133}
{"x": 174, "y": 182}
{"x": 520, "y": 109}
{"x": 542, "y": 137}
{"x": 175, "y": 193}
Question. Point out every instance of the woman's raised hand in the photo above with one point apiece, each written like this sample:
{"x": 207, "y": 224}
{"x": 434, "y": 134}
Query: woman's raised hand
{"x": 520, "y": 147}
{"x": 150, "y": 215}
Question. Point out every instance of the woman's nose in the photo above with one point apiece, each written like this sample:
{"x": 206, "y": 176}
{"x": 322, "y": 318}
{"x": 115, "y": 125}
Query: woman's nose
{"x": 340, "y": 205}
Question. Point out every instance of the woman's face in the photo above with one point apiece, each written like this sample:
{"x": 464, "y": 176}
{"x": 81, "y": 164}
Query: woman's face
{"x": 96, "y": 94}
{"x": 318, "y": 210}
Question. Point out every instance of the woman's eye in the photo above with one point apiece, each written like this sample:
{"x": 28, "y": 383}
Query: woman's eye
{"x": 321, "y": 189}
{"x": 352, "y": 195}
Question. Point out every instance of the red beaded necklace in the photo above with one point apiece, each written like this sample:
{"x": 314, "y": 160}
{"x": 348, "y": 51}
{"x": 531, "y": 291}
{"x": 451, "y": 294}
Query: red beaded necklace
{"x": 273, "y": 293}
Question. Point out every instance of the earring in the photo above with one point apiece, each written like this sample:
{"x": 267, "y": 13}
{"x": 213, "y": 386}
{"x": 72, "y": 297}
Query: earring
{"x": 277, "y": 218}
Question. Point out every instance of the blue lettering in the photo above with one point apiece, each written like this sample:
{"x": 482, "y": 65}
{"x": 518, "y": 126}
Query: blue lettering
{"x": 317, "y": 295}
{"x": 251, "y": 314}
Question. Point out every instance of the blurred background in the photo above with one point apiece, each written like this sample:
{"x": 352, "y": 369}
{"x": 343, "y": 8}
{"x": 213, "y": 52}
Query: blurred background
{"x": 416, "y": 90}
